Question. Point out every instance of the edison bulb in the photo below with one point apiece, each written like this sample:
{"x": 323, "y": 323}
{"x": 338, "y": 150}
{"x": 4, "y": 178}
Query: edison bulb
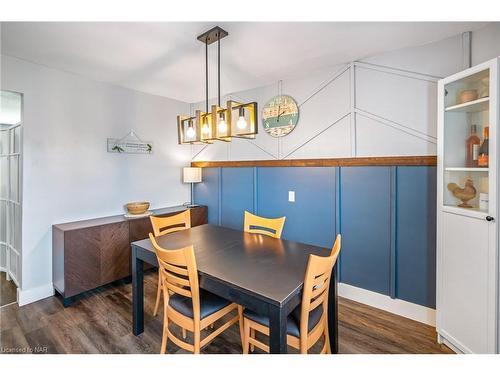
{"x": 206, "y": 128}
{"x": 241, "y": 123}
{"x": 190, "y": 132}
{"x": 222, "y": 126}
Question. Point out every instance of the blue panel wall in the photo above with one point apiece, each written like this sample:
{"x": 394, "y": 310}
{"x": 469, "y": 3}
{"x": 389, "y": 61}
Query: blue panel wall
{"x": 311, "y": 218}
{"x": 207, "y": 193}
{"x": 365, "y": 226}
{"x": 416, "y": 235}
{"x": 237, "y": 192}
{"x": 387, "y": 217}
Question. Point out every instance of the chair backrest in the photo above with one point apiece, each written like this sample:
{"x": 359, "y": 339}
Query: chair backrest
{"x": 179, "y": 273}
{"x": 169, "y": 224}
{"x": 264, "y": 225}
{"x": 317, "y": 284}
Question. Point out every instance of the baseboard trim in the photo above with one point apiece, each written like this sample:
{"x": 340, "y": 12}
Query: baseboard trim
{"x": 25, "y": 297}
{"x": 452, "y": 343}
{"x": 409, "y": 310}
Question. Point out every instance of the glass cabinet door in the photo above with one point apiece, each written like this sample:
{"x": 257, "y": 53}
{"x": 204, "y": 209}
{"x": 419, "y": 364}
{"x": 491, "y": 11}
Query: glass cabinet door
{"x": 467, "y": 128}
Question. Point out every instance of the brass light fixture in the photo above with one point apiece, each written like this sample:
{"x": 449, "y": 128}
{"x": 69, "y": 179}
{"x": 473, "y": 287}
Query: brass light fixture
{"x": 237, "y": 120}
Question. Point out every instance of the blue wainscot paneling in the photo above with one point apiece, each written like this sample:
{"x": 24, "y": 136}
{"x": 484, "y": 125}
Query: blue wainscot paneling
{"x": 416, "y": 235}
{"x": 237, "y": 195}
{"x": 311, "y": 218}
{"x": 387, "y": 217}
{"x": 207, "y": 193}
{"x": 365, "y": 214}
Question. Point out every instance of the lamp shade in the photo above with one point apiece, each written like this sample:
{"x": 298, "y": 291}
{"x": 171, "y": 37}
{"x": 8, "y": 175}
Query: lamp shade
{"x": 191, "y": 175}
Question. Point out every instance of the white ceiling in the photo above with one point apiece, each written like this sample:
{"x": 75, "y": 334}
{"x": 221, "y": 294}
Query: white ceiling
{"x": 166, "y": 59}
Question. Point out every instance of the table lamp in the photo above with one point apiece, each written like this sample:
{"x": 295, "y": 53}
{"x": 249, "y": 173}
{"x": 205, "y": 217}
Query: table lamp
{"x": 191, "y": 176}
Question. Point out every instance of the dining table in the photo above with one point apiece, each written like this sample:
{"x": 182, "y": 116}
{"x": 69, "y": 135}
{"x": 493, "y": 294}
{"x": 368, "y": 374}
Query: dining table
{"x": 259, "y": 272}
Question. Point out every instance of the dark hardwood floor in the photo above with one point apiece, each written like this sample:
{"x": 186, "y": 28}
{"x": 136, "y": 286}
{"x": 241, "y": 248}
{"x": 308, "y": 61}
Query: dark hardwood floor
{"x": 8, "y": 290}
{"x": 101, "y": 322}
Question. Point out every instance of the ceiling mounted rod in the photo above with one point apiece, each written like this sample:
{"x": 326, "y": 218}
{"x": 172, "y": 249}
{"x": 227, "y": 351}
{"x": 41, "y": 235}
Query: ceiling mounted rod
{"x": 218, "y": 71}
{"x": 213, "y": 35}
{"x": 206, "y": 75}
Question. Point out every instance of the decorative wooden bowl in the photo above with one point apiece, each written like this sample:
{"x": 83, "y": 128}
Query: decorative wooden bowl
{"x": 137, "y": 208}
{"x": 467, "y": 96}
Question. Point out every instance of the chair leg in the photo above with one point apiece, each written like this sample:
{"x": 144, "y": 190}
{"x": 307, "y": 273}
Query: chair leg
{"x": 246, "y": 335}
{"x": 252, "y": 335}
{"x": 158, "y": 295}
{"x": 164, "y": 338}
{"x": 242, "y": 329}
{"x": 327, "y": 342}
{"x": 184, "y": 333}
{"x": 197, "y": 340}
{"x": 327, "y": 338}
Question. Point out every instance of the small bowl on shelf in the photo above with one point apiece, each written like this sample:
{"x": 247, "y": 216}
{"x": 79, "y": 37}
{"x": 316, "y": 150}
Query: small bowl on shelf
{"x": 137, "y": 208}
{"x": 467, "y": 96}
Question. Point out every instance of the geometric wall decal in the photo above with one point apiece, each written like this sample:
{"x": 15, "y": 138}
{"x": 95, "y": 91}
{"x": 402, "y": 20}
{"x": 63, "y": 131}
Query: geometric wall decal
{"x": 394, "y": 113}
{"x": 320, "y": 111}
{"x": 334, "y": 142}
{"x": 411, "y": 102}
{"x": 244, "y": 149}
{"x": 374, "y": 138}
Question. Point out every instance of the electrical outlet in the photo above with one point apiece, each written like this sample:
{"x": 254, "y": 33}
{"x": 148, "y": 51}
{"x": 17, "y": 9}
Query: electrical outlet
{"x": 291, "y": 196}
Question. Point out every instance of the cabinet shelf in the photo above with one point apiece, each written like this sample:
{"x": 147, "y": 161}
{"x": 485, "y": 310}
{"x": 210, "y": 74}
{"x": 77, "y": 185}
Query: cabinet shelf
{"x": 478, "y": 105}
{"x": 466, "y": 169}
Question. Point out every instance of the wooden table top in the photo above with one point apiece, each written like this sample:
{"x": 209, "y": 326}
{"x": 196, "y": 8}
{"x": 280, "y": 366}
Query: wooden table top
{"x": 261, "y": 265}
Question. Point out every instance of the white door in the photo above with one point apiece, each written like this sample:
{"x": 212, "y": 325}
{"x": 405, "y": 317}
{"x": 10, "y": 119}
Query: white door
{"x": 464, "y": 282}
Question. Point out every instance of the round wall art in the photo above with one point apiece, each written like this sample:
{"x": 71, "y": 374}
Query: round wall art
{"x": 280, "y": 115}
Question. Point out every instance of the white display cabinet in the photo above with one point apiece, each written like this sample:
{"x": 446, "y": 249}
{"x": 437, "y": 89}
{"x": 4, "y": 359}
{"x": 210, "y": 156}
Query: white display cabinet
{"x": 467, "y": 241}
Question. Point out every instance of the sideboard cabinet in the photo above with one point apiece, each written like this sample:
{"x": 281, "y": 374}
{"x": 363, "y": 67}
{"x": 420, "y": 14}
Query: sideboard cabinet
{"x": 90, "y": 253}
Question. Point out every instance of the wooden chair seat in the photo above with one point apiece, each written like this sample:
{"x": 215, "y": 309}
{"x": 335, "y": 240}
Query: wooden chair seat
{"x": 209, "y": 304}
{"x": 293, "y": 321}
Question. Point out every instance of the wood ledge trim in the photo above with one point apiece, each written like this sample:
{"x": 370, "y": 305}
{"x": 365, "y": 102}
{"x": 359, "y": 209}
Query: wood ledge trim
{"x": 337, "y": 162}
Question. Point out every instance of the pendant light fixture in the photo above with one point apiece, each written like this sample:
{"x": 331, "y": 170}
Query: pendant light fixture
{"x": 218, "y": 124}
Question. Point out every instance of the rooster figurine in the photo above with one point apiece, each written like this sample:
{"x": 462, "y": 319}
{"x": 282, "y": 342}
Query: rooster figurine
{"x": 465, "y": 194}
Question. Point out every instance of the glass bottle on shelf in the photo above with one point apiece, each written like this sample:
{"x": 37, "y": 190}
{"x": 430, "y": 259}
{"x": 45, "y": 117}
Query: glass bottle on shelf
{"x": 472, "y": 146}
{"x": 483, "y": 159}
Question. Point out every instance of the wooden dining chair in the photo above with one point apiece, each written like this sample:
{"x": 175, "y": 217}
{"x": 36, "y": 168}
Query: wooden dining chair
{"x": 261, "y": 225}
{"x": 264, "y": 225}
{"x": 309, "y": 321}
{"x": 184, "y": 303}
{"x": 165, "y": 225}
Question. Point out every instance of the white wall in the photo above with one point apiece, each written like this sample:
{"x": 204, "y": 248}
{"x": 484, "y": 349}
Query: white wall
{"x": 384, "y": 105}
{"x": 486, "y": 43}
{"x": 68, "y": 175}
